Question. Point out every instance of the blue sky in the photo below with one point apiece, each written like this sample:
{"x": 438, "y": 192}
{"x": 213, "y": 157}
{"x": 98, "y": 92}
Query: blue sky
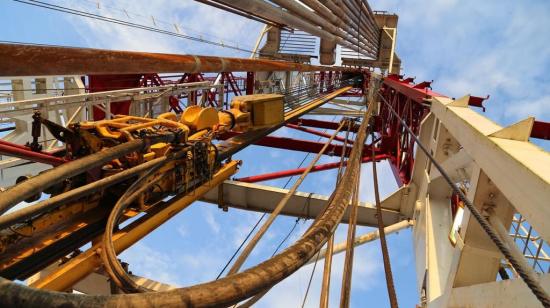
{"x": 480, "y": 47}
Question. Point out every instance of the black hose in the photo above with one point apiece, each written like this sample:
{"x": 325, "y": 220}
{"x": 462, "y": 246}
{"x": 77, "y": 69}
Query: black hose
{"x": 108, "y": 254}
{"x": 39, "y": 183}
{"x": 52, "y": 203}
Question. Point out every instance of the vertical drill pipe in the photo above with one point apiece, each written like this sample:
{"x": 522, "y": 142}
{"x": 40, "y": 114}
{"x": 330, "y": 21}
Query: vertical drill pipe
{"x": 300, "y": 11}
{"x": 365, "y": 14}
{"x": 325, "y": 286}
{"x": 332, "y": 16}
{"x": 385, "y": 255}
{"x": 354, "y": 19}
{"x": 267, "y": 10}
{"x": 348, "y": 261}
{"x": 250, "y": 246}
{"x": 363, "y": 17}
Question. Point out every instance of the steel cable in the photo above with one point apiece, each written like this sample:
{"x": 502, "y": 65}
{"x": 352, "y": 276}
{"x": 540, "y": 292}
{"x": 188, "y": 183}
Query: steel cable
{"x": 382, "y": 232}
{"x": 533, "y": 285}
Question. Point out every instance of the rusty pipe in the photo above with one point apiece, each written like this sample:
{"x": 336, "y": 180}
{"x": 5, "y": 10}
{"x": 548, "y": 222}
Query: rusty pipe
{"x": 352, "y": 17}
{"x": 38, "y": 60}
{"x": 51, "y": 203}
{"x": 331, "y": 16}
{"x": 281, "y": 16}
{"x": 363, "y": 20}
{"x": 365, "y": 12}
{"x": 342, "y": 11}
{"x": 300, "y": 11}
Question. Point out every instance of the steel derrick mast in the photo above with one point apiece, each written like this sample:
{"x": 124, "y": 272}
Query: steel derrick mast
{"x": 119, "y": 142}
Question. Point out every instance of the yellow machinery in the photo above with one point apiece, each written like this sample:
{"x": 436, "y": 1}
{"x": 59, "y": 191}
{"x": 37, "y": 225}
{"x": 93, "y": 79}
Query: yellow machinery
{"x": 189, "y": 160}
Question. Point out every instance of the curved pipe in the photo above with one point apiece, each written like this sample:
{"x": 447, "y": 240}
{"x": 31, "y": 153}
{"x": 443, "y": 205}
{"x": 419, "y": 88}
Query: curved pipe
{"x": 222, "y": 292}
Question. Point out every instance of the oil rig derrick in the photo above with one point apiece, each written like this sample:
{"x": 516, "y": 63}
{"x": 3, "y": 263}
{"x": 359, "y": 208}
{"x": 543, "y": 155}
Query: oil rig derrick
{"x": 111, "y": 144}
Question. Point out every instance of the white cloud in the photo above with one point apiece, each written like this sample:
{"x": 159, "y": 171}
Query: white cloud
{"x": 147, "y": 262}
{"x": 211, "y": 220}
{"x": 479, "y": 48}
{"x": 192, "y": 18}
{"x": 182, "y": 231}
{"x": 539, "y": 107}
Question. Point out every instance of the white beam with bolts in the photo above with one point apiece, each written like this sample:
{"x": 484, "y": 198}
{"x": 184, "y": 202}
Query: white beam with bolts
{"x": 520, "y": 169}
{"x": 262, "y": 198}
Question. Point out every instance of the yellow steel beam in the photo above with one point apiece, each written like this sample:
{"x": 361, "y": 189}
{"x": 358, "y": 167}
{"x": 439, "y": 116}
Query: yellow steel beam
{"x": 82, "y": 265}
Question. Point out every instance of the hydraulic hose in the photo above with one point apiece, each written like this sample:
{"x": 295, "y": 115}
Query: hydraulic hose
{"x": 39, "y": 183}
{"x": 54, "y": 202}
{"x": 108, "y": 254}
{"x": 223, "y": 292}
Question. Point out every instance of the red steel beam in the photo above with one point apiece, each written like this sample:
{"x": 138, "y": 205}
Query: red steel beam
{"x": 37, "y": 60}
{"x": 419, "y": 94}
{"x": 297, "y": 145}
{"x": 292, "y": 172}
{"x": 316, "y": 132}
{"x": 9, "y": 149}
{"x": 541, "y": 130}
{"x": 321, "y": 124}
{"x": 421, "y": 91}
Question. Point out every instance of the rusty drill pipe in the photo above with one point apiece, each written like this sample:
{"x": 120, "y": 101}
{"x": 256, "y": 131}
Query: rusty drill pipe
{"x": 222, "y": 292}
{"x": 36, "y": 60}
{"x": 338, "y": 22}
{"x": 347, "y": 17}
{"x": 39, "y": 183}
{"x": 266, "y": 10}
{"x": 300, "y": 11}
{"x": 363, "y": 14}
{"x": 354, "y": 18}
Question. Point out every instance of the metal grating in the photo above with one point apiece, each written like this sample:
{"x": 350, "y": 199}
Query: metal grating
{"x": 298, "y": 42}
{"x": 351, "y": 54}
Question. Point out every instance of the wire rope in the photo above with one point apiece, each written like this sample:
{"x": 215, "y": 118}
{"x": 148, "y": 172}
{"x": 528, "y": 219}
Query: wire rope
{"x": 534, "y": 285}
